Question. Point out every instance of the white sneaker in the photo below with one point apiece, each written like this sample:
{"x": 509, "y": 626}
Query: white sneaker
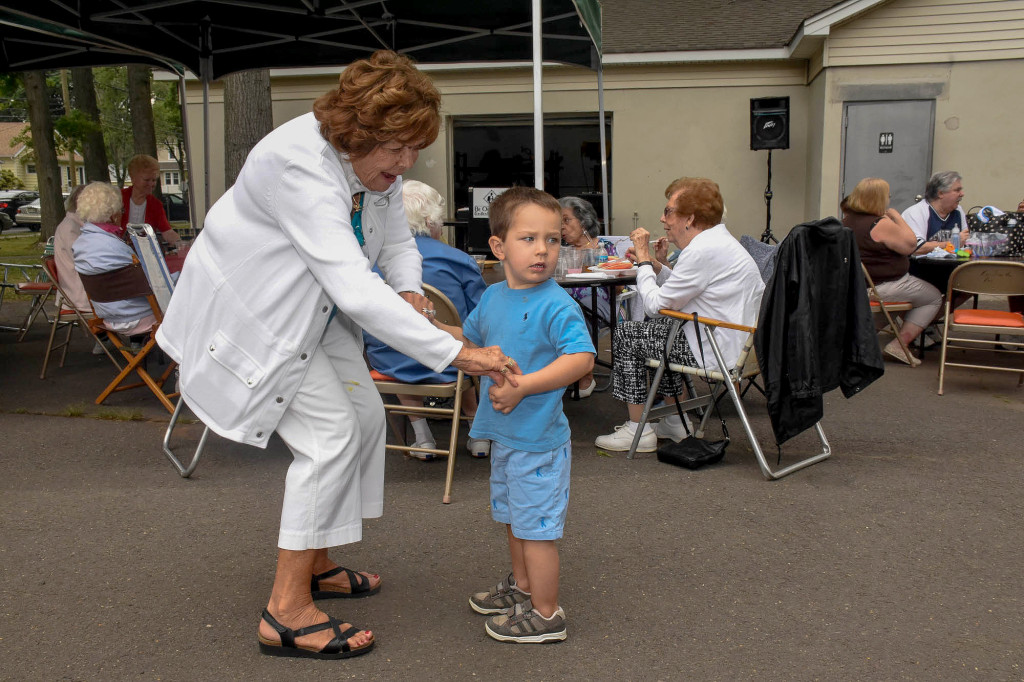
{"x": 423, "y": 456}
{"x": 478, "y": 448}
{"x": 676, "y": 432}
{"x": 622, "y": 438}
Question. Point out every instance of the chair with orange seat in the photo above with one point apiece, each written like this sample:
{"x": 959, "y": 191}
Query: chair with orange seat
{"x": 989, "y": 278}
{"x": 886, "y": 308}
{"x": 446, "y": 313}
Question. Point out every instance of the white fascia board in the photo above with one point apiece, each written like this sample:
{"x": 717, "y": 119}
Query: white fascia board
{"x": 820, "y": 24}
{"x": 763, "y": 54}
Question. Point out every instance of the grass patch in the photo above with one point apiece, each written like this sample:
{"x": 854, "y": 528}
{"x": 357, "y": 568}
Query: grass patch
{"x": 23, "y": 249}
{"x": 21, "y": 410}
{"x": 121, "y": 415}
{"x": 74, "y": 410}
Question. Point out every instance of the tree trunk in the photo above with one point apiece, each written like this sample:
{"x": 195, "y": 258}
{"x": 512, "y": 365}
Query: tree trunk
{"x": 247, "y": 117}
{"x": 93, "y": 149}
{"x": 51, "y": 202}
{"x": 140, "y": 100}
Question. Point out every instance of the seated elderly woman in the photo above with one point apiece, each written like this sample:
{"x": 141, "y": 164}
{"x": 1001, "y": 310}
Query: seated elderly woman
{"x": 580, "y": 226}
{"x": 456, "y": 275}
{"x": 885, "y": 241}
{"x": 714, "y": 277}
{"x": 100, "y": 248}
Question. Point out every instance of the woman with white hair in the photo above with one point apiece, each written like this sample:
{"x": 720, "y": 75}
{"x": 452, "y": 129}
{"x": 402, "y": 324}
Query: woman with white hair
{"x": 580, "y": 227}
{"x": 456, "y": 275}
{"x": 100, "y": 249}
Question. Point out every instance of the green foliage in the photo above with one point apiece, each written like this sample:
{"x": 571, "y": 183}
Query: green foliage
{"x": 8, "y": 180}
{"x": 112, "y": 98}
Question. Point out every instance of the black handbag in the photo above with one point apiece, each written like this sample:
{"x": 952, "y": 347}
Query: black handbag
{"x": 692, "y": 452}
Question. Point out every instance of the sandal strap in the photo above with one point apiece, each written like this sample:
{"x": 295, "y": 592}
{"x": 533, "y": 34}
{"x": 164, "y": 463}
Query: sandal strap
{"x": 337, "y": 645}
{"x": 356, "y": 581}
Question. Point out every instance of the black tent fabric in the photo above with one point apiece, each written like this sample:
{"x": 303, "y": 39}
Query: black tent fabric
{"x": 213, "y": 38}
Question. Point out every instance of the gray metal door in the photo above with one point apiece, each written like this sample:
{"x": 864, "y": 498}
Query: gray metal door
{"x": 889, "y": 140}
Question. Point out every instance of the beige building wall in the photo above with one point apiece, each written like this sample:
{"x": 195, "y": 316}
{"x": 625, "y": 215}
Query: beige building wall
{"x": 964, "y": 56}
{"x": 667, "y": 121}
{"x": 693, "y": 119}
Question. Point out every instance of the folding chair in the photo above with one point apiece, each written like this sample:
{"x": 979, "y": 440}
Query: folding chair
{"x": 993, "y": 278}
{"x": 886, "y": 308}
{"x": 117, "y": 285}
{"x": 66, "y": 316}
{"x": 446, "y": 313}
{"x": 719, "y": 384}
{"x": 147, "y": 246}
{"x": 34, "y": 286}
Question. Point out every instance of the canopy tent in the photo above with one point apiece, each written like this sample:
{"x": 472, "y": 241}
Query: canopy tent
{"x": 213, "y": 38}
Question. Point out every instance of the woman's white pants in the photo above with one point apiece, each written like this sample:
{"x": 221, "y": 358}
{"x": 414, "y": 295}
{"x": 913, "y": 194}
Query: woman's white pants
{"x": 335, "y": 430}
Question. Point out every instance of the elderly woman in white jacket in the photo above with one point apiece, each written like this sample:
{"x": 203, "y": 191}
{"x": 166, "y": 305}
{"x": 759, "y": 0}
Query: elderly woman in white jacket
{"x": 266, "y": 322}
{"x": 713, "y": 277}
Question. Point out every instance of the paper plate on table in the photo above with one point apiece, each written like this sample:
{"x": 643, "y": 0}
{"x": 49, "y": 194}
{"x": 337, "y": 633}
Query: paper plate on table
{"x": 622, "y": 272}
{"x": 585, "y": 275}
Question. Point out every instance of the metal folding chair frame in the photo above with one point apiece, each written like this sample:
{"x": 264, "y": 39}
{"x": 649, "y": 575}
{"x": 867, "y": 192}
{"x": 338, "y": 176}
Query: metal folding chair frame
{"x": 446, "y": 313}
{"x": 983, "y": 277}
{"x": 147, "y": 246}
{"x": 720, "y": 384}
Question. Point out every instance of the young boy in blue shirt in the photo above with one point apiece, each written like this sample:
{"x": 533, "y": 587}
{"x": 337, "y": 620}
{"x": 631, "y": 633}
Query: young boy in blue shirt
{"x": 541, "y": 328}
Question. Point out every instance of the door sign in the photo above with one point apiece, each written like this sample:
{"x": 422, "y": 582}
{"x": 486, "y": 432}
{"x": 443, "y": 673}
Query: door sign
{"x": 885, "y": 143}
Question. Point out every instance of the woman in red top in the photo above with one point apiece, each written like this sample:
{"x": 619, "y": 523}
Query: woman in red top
{"x": 139, "y": 204}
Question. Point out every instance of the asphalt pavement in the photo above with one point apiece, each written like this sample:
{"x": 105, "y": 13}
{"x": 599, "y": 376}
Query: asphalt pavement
{"x": 897, "y": 558}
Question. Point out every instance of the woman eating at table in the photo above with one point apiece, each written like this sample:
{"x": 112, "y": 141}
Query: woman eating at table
{"x": 714, "y": 277}
{"x": 885, "y": 242}
{"x": 266, "y": 323}
{"x": 580, "y": 226}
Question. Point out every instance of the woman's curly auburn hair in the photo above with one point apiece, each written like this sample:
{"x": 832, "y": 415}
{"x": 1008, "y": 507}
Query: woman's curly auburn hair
{"x": 699, "y": 197}
{"x": 379, "y": 99}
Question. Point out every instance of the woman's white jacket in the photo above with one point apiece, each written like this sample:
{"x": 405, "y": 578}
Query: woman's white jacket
{"x": 276, "y": 255}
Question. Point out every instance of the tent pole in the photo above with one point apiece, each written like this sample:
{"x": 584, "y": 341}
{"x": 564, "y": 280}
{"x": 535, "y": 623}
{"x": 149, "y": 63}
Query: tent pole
{"x": 538, "y": 104}
{"x": 206, "y": 145}
{"x": 183, "y": 103}
{"x": 607, "y": 228}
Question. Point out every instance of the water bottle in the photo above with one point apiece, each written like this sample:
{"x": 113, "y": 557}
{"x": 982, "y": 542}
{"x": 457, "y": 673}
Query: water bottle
{"x": 955, "y": 239}
{"x": 602, "y": 258}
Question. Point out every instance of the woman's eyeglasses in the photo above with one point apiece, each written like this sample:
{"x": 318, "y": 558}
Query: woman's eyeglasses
{"x": 669, "y": 210}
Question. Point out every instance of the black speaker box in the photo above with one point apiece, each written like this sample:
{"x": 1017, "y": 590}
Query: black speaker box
{"x": 769, "y": 123}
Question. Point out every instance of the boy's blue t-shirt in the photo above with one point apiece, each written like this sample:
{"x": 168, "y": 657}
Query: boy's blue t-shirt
{"x": 533, "y": 326}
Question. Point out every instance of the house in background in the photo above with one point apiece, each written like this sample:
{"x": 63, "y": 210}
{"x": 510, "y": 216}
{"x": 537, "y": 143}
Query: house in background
{"x": 170, "y": 173}
{"x": 17, "y": 158}
{"x": 889, "y": 88}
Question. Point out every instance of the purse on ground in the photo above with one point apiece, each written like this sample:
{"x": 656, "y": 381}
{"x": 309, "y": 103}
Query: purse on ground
{"x": 692, "y": 452}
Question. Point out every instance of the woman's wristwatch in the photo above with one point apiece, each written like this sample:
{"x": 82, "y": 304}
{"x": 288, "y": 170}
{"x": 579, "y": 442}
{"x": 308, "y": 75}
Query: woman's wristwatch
{"x": 645, "y": 262}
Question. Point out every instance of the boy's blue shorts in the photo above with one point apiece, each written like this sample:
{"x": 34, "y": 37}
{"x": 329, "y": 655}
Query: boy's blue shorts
{"x": 530, "y": 490}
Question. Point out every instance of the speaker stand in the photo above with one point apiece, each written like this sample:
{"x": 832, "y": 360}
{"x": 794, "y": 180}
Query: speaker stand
{"x": 767, "y": 237}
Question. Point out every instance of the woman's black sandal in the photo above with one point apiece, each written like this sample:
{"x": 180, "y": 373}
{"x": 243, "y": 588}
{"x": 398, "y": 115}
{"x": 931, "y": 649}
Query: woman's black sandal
{"x": 336, "y": 648}
{"x": 359, "y": 585}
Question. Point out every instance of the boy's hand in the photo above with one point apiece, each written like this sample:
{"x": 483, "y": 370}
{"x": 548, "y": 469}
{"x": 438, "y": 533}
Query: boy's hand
{"x": 490, "y": 361}
{"x": 505, "y": 398}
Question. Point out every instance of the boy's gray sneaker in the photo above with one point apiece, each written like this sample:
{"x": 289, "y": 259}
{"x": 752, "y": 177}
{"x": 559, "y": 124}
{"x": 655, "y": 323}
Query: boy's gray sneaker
{"x": 499, "y": 598}
{"x": 522, "y": 624}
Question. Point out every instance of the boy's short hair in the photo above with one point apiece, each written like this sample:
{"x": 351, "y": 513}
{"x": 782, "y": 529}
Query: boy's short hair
{"x": 503, "y": 209}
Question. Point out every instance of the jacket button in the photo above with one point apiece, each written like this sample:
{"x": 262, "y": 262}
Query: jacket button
{"x": 303, "y": 356}
{"x": 259, "y": 434}
{"x": 249, "y": 382}
{"x": 324, "y": 309}
{"x": 280, "y": 399}
{"x": 212, "y": 347}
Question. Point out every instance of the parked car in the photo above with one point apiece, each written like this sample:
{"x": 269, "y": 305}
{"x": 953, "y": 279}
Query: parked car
{"x": 29, "y": 215}
{"x": 175, "y": 206}
{"x": 12, "y": 199}
{"x": 5, "y": 222}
